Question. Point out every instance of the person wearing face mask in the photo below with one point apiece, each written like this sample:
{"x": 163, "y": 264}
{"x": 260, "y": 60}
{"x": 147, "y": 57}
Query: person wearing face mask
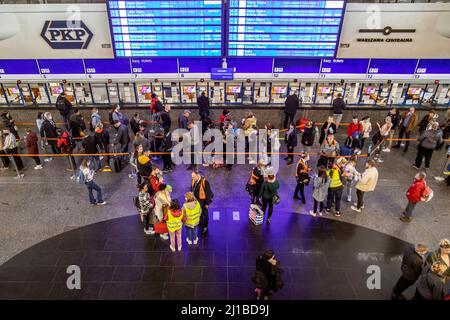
{"x": 412, "y": 266}
{"x": 408, "y": 123}
{"x": 291, "y": 142}
{"x": 302, "y": 176}
{"x": 89, "y": 173}
{"x": 415, "y": 194}
{"x": 441, "y": 255}
{"x": 367, "y": 183}
{"x": 49, "y": 132}
{"x": 329, "y": 127}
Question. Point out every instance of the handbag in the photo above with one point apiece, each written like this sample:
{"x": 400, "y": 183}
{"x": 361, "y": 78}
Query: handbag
{"x": 276, "y": 199}
{"x": 160, "y": 227}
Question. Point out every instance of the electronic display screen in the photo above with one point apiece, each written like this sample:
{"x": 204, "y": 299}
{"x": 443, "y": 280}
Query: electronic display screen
{"x": 233, "y": 89}
{"x": 166, "y": 28}
{"x": 324, "y": 90}
{"x": 369, "y": 90}
{"x": 284, "y": 28}
{"x": 188, "y": 89}
{"x": 279, "y": 90}
{"x": 414, "y": 90}
{"x": 13, "y": 90}
{"x": 145, "y": 89}
{"x": 56, "y": 90}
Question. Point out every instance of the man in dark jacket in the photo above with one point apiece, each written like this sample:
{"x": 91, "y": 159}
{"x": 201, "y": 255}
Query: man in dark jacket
{"x": 166, "y": 122}
{"x": 77, "y": 124}
{"x": 203, "y": 193}
{"x": 122, "y": 137}
{"x": 428, "y": 141}
{"x": 49, "y": 132}
{"x": 412, "y": 264}
{"x": 183, "y": 120}
{"x": 291, "y": 105}
{"x": 338, "y": 109}
{"x": 90, "y": 145}
{"x": 65, "y": 108}
{"x": 396, "y": 118}
{"x": 203, "y": 105}
{"x": 291, "y": 142}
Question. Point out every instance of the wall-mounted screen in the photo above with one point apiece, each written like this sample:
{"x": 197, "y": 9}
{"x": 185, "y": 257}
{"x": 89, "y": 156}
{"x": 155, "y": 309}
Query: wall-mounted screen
{"x": 284, "y": 28}
{"x": 166, "y": 28}
{"x": 414, "y": 91}
{"x": 369, "y": 90}
{"x": 189, "y": 89}
{"x": 279, "y": 90}
{"x": 233, "y": 89}
{"x": 324, "y": 90}
{"x": 13, "y": 90}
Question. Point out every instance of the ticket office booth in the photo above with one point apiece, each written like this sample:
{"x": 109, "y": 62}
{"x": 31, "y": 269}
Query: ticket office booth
{"x": 308, "y": 92}
{"x": 414, "y": 94}
{"x": 189, "y": 92}
{"x": 352, "y": 92}
{"x": 144, "y": 92}
{"x": 216, "y": 92}
{"x": 442, "y": 95}
{"x": 369, "y": 93}
{"x": 324, "y": 93}
{"x": 13, "y": 94}
{"x": 170, "y": 92}
{"x": 279, "y": 92}
{"x": 249, "y": 94}
{"x": 39, "y": 93}
{"x": 234, "y": 92}
{"x": 262, "y": 92}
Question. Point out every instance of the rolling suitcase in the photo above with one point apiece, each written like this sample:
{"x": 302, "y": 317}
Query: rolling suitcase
{"x": 346, "y": 150}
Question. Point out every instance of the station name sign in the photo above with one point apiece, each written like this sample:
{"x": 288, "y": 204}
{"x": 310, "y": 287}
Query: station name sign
{"x": 386, "y": 31}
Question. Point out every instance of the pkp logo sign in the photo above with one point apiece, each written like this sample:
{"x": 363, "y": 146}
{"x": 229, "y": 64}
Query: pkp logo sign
{"x": 59, "y": 35}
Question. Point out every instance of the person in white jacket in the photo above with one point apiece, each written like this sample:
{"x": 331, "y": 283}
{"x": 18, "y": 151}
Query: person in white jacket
{"x": 367, "y": 183}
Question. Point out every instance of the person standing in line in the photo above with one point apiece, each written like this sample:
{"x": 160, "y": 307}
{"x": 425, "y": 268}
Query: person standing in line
{"x": 146, "y": 206}
{"x": 396, "y": 118}
{"x": 10, "y": 147}
{"x": 367, "y": 183}
{"x": 95, "y": 119}
{"x": 201, "y": 189}
{"x": 380, "y": 137}
{"x": 291, "y": 142}
{"x": 428, "y": 141}
{"x": 328, "y": 151}
{"x": 162, "y": 204}
{"x": 66, "y": 144}
{"x": 321, "y": 184}
{"x": 90, "y": 145}
{"x": 77, "y": 124}
{"x": 134, "y": 123}
{"x": 192, "y": 211}
{"x": 89, "y": 173}
{"x": 291, "y": 105}
{"x": 329, "y": 127}
{"x": 255, "y": 182}
{"x": 408, "y": 123}
{"x": 49, "y": 132}
{"x": 335, "y": 189}
{"x": 31, "y": 142}
{"x": 338, "y": 109}
{"x": 309, "y": 135}
{"x": 5, "y": 160}
{"x": 350, "y": 175}
{"x": 426, "y": 121}
{"x": 122, "y": 137}
{"x": 166, "y": 122}
{"x": 412, "y": 266}
{"x": 441, "y": 255}
{"x": 354, "y": 133}
{"x": 415, "y": 194}
{"x": 203, "y": 106}
{"x": 102, "y": 137}
{"x": 167, "y": 149}
{"x": 269, "y": 190}
{"x": 183, "y": 120}
{"x": 116, "y": 115}
{"x": 64, "y": 107}
{"x": 302, "y": 176}
{"x": 367, "y": 129}
{"x": 431, "y": 283}
{"x": 10, "y": 123}
{"x": 175, "y": 218}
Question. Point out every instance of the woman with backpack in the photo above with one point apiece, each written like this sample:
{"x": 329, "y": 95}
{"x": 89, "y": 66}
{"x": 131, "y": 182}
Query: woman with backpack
{"x": 145, "y": 208}
{"x": 268, "y": 277}
{"x": 66, "y": 144}
{"x": 88, "y": 177}
{"x": 175, "y": 218}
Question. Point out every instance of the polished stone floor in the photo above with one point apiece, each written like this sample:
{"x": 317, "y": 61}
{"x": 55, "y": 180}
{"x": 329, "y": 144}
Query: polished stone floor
{"x": 47, "y": 224}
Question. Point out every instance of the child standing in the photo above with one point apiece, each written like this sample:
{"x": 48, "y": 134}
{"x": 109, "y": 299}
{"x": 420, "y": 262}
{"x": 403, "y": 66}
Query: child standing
{"x": 321, "y": 184}
{"x": 191, "y": 210}
{"x": 174, "y": 218}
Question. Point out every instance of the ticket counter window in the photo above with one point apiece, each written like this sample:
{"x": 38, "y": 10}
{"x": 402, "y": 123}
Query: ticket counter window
{"x": 172, "y": 92}
{"x": 324, "y": 93}
{"x": 383, "y": 96}
{"x": 82, "y": 93}
{"x": 262, "y": 92}
{"x": 398, "y": 93}
{"x": 13, "y": 93}
{"x": 294, "y": 87}
{"x": 307, "y": 92}
{"x": 443, "y": 94}
{"x": 217, "y": 92}
{"x": 189, "y": 93}
{"x": 3, "y": 96}
{"x": 157, "y": 88}
{"x": 369, "y": 93}
{"x": 338, "y": 89}
{"x": 352, "y": 91}
{"x": 70, "y": 93}
{"x": 39, "y": 93}
{"x": 247, "y": 96}
{"x": 26, "y": 94}
{"x": 234, "y": 93}
{"x": 99, "y": 93}
{"x": 113, "y": 92}
{"x": 280, "y": 92}
{"x": 144, "y": 93}
{"x": 414, "y": 94}
{"x": 126, "y": 92}
{"x": 202, "y": 87}
{"x": 54, "y": 89}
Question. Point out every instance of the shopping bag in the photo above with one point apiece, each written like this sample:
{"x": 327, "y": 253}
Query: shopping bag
{"x": 160, "y": 227}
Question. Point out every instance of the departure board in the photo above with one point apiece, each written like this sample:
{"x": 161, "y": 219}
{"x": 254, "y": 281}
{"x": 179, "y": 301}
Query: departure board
{"x": 157, "y": 28}
{"x": 284, "y": 28}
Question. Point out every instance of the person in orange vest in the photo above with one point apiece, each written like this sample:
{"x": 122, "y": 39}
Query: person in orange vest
{"x": 174, "y": 219}
{"x": 302, "y": 177}
{"x": 203, "y": 193}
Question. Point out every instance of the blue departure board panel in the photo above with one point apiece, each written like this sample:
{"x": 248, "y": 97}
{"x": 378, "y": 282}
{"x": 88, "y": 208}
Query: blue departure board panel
{"x": 28, "y": 66}
{"x": 284, "y": 28}
{"x": 61, "y": 66}
{"x": 158, "y": 28}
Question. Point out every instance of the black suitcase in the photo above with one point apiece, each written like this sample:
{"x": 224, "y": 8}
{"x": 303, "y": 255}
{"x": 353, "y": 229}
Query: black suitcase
{"x": 114, "y": 161}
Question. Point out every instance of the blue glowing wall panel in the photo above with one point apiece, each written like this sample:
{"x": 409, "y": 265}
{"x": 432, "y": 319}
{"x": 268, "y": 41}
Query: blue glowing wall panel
{"x": 161, "y": 65}
{"x": 28, "y": 66}
{"x": 433, "y": 66}
{"x": 192, "y": 65}
{"x": 242, "y": 65}
{"x": 61, "y": 66}
{"x": 392, "y": 66}
{"x": 296, "y": 66}
{"x": 345, "y": 66}
{"x": 167, "y": 28}
{"x": 284, "y": 28}
{"x": 94, "y": 66}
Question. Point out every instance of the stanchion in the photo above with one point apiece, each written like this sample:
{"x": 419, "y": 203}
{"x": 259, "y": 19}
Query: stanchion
{"x": 71, "y": 166}
{"x": 19, "y": 175}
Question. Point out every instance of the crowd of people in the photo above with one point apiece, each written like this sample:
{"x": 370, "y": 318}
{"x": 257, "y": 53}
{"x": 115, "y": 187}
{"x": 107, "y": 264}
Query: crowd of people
{"x": 335, "y": 177}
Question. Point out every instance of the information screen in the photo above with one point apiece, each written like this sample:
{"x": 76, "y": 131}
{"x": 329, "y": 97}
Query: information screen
{"x": 154, "y": 28}
{"x": 284, "y": 28}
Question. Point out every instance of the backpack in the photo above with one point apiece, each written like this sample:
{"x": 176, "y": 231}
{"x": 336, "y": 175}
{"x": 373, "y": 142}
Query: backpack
{"x": 110, "y": 118}
{"x": 71, "y": 143}
{"x": 79, "y": 177}
{"x": 159, "y": 106}
{"x": 61, "y": 106}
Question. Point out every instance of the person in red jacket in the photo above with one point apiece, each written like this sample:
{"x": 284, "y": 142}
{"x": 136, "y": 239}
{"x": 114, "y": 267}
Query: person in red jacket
{"x": 66, "y": 144}
{"x": 155, "y": 180}
{"x": 415, "y": 194}
{"x": 31, "y": 142}
{"x": 354, "y": 133}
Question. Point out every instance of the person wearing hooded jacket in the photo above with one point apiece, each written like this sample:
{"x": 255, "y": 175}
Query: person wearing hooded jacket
{"x": 64, "y": 107}
{"x": 415, "y": 194}
{"x": 428, "y": 141}
{"x": 145, "y": 167}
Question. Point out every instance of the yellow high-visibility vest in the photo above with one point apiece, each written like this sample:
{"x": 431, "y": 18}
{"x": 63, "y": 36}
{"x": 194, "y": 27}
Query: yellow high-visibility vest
{"x": 174, "y": 223}
{"x": 192, "y": 215}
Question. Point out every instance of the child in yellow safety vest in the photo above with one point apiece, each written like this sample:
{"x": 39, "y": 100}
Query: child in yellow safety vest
{"x": 174, "y": 219}
{"x": 192, "y": 211}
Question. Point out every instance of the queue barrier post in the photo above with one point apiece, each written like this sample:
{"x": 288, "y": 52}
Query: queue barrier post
{"x": 13, "y": 161}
